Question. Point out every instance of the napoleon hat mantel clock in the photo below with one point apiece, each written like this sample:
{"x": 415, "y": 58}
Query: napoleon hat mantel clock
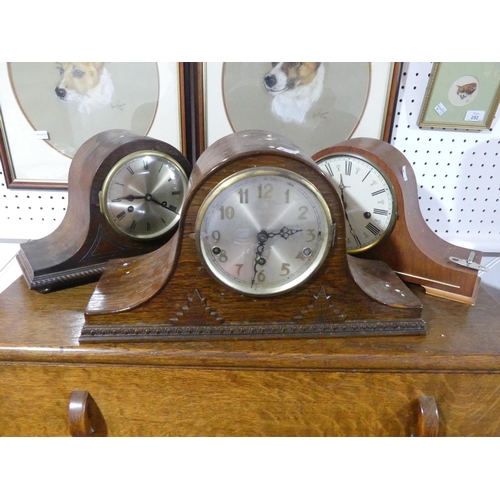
{"x": 378, "y": 188}
{"x": 260, "y": 253}
{"x": 125, "y": 194}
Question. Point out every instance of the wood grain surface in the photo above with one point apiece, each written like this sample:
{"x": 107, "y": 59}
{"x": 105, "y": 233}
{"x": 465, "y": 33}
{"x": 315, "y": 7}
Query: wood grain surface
{"x": 46, "y": 328}
{"x": 315, "y": 387}
{"x": 149, "y": 295}
{"x": 412, "y": 249}
{"x": 149, "y": 401}
{"x": 78, "y": 250}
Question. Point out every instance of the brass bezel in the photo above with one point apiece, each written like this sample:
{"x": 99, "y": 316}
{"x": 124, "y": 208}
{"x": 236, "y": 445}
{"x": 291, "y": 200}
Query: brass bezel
{"x": 259, "y": 172}
{"x": 103, "y": 195}
{"x": 394, "y": 214}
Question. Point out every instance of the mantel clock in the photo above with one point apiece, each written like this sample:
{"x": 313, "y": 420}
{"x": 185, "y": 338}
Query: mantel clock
{"x": 378, "y": 189}
{"x": 260, "y": 253}
{"x": 125, "y": 194}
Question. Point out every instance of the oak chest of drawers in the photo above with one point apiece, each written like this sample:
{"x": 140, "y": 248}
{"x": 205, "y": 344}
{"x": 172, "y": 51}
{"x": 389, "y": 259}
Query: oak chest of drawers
{"x": 445, "y": 383}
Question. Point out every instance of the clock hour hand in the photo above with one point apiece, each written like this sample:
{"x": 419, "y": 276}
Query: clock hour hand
{"x": 129, "y": 197}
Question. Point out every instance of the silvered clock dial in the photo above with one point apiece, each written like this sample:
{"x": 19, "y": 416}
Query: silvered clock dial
{"x": 264, "y": 231}
{"x": 143, "y": 194}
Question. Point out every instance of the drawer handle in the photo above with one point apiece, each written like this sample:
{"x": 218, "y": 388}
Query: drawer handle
{"x": 84, "y": 416}
{"x": 427, "y": 417}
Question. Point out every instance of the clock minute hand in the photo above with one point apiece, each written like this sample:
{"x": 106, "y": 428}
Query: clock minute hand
{"x": 342, "y": 186}
{"x": 284, "y": 232}
{"x": 262, "y": 237}
{"x": 147, "y": 197}
{"x": 163, "y": 204}
{"x": 351, "y": 229}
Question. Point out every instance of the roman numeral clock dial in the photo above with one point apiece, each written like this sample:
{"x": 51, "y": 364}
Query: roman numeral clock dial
{"x": 368, "y": 199}
{"x": 143, "y": 194}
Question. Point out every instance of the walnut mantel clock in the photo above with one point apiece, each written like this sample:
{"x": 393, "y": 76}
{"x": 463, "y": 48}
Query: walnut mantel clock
{"x": 260, "y": 253}
{"x": 378, "y": 189}
{"x": 125, "y": 194}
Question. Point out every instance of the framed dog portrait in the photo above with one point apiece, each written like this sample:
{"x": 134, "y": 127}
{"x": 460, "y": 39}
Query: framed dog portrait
{"x": 461, "y": 95}
{"x": 316, "y": 105}
{"x": 49, "y": 109}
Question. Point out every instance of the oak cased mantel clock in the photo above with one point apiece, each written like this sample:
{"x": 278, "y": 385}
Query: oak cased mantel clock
{"x": 379, "y": 192}
{"x": 125, "y": 194}
{"x": 259, "y": 253}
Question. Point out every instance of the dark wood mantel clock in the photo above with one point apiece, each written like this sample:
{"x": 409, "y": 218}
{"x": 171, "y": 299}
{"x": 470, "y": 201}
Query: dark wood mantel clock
{"x": 125, "y": 194}
{"x": 260, "y": 253}
{"x": 379, "y": 192}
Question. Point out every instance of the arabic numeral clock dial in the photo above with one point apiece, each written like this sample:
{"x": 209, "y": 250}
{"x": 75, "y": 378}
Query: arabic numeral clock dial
{"x": 264, "y": 231}
{"x": 368, "y": 199}
{"x": 143, "y": 194}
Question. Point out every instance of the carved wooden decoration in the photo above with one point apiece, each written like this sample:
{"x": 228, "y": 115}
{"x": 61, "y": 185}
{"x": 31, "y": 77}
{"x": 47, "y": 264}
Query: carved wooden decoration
{"x": 412, "y": 249}
{"x": 169, "y": 295}
{"x": 78, "y": 250}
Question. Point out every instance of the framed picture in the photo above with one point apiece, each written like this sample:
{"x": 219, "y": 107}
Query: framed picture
{"x": 316, "y": 105}
{"x": 461, "y": 95}
{"x": 48, "y": 110}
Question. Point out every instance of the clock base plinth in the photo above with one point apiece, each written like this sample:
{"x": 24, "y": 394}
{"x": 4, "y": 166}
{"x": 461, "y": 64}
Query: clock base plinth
{"x": 464, "y": 299}
{"x": 125, "y": 333}
{"x": 49, "y": 282}
{"x": 47, "y": 265}
{"x": 368, "y": 300}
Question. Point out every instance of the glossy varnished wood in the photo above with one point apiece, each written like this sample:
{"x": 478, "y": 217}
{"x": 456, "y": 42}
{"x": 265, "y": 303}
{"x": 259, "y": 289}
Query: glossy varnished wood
{"x": 84, "y": 416}
{"x": 342, "y": 386}
{"x": 412, "y": 249}
{"x": 169, "y": 294}
{"x": 151, "y": 401}
{"x": 427, "y": 417}
{"x": 46, "y": 328}
{"x": 78, "y": 250}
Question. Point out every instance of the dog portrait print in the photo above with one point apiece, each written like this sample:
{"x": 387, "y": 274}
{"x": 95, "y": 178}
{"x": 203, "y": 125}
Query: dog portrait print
{"x": 314, "y": 104}
{"x": 87, "y": 84}
{"x": 295, "y": 87}
{"x": 465, "y": 91}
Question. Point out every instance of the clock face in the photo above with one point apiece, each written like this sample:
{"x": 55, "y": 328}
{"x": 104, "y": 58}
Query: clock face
{"x": 264, "y": 231}
{"x": 368, "y": 199}
{"x": 143, "y": 194}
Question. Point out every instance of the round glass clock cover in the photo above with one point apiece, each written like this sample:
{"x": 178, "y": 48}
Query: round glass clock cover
{"x": 143, "y": 194}
{"x": 264, "y": 231}
{"x": 368, "y": 199}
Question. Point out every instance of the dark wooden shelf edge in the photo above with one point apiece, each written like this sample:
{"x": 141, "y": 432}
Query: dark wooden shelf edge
{"x": 199, "y": 357}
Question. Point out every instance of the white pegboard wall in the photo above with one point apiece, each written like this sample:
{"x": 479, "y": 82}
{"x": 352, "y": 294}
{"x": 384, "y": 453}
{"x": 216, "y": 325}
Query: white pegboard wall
{"x": 458, "y": 172}
{"x": 29, "y": 214}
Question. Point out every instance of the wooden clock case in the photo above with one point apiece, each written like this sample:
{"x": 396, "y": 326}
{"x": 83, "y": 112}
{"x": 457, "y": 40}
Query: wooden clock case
{"x": 168, "y": 294}
{"x": 78, "y": 250}
{"x": 412, "y": 249}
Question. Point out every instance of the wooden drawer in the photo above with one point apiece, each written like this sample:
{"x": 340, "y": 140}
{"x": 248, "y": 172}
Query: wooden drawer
{"x": 159, "y": 401}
